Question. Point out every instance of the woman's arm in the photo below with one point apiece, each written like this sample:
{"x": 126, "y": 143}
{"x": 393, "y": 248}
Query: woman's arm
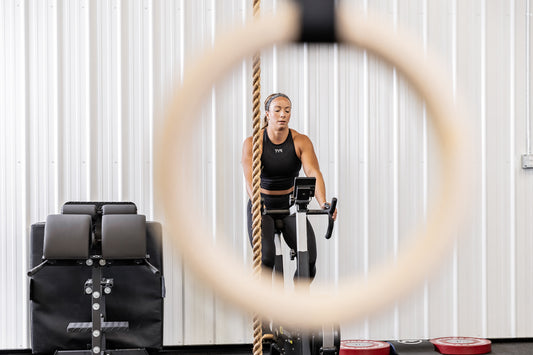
{"x": 312, "y": 168}
{"x": 246, "y": 162}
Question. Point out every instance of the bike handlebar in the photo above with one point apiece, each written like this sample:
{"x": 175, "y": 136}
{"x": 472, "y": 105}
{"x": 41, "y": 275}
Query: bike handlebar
{"x": 329, "y": 210}
{"x": 331, "y": 221}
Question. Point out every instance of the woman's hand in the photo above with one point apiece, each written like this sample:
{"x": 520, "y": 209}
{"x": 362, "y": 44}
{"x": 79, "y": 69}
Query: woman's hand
{"x": 327, "y": 205}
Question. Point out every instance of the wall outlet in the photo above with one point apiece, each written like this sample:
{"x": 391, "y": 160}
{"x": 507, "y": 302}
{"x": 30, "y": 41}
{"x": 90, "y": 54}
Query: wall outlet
{"x": 527, "y": 161}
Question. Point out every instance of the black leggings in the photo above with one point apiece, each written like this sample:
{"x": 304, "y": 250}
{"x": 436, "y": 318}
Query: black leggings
{"x": 268, "y": 248}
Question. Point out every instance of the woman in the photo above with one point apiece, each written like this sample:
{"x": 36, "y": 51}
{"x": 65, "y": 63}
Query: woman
{"x": 284, "y": 153}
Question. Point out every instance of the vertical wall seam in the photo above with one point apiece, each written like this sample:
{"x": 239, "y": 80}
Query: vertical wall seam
{"x": 483, "y": 202}
{"x": 396, "y": 153}
{"x": 275, "y": 73}
{"x": 61, "y": 114}
{"x": 512, "y": 166}
{"x": 366, "y": 182}
{"x": 214, "y": 143}
{"x": 528, "y": 77}
{"x": 151, "y": 81}
{"x": 182, "y": 72}
{"x": 425, "y": 167}
{"x": 53, "y": 99}
{"x": 121, "y": 101}
{"x": 5, "y": 336}
{"x": 85, "y": 154}
{"x": 182, "y": 40}
{"x": 91, "y": 8}
{"x": 455, "y": 251}
{"x": 244, "y": 134}
{"x": 395, "y": 168}
{"x": 307, "y": 101}
{"x": 336, "y": 147}
{"x": 26, "y": 164}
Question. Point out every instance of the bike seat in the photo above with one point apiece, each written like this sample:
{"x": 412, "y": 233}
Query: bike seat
{"x": 278, "y": 224}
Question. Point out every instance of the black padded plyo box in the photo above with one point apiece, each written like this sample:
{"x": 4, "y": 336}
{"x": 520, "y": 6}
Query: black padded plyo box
{"x": 57, "y": 298}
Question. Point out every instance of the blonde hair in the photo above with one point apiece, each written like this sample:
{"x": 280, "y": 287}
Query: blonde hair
{"x": 268, "y": 101}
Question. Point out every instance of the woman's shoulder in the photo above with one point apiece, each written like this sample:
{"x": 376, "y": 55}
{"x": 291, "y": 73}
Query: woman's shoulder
{"x": 247, "y": 144}
{"x": 302, "y": 143}
{"x": 297, "y": 136}
{"x": 250, "y": 138}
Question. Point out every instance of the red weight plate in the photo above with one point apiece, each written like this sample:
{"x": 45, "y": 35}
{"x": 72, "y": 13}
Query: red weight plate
{"x": 461, "y": 345}
{"x": 364, "y": 347}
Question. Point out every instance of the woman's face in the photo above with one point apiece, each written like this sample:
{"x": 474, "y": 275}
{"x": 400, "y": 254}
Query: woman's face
{"x": 279, "y": 113}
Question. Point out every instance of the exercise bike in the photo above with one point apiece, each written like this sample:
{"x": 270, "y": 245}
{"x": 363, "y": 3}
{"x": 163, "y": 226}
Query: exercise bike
{"x": 294, "y": 341}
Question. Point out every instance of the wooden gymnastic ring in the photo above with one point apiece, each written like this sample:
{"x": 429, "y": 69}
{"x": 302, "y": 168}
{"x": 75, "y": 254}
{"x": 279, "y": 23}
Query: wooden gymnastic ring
{"x": 352, "y": 298}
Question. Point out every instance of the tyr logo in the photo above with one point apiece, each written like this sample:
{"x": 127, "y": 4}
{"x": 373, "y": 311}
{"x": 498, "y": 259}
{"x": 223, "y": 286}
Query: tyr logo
{"x": 278, "y": 150}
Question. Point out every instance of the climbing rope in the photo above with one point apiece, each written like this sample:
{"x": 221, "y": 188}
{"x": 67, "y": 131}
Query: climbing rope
{"x": 256, "y": 179}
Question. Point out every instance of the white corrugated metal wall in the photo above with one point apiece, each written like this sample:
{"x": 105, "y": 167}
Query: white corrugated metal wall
{"x": 83, "y": 85}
